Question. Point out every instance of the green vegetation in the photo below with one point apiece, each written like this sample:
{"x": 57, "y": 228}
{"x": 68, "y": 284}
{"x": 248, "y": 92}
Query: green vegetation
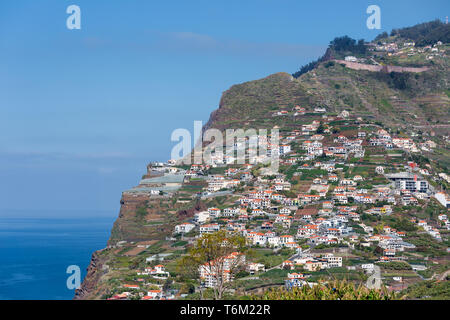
{"x": 179, "y": 243}
{"x": 312, "y": 173}
{"x": 210, "y": 250}
{"x": 425, "y": 33}
{"x": 425, "y": 244}
{"x": 340, "y": 45}
{"x": 347, "y": 45}
{"x": 395, "y": 265}
{"x": 428, "y": 290}
{"x": 269, "y": 258}
{"x": 141, "y": 212}
{"x": 334, "y": 290}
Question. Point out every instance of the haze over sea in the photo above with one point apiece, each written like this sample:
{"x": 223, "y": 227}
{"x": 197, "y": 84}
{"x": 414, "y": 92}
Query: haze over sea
{"x": 35, "y": 253}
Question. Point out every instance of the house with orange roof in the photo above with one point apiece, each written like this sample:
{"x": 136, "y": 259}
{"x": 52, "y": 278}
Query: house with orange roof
{"x": 214, "y": 212}
{"x": 153, "y": 294}
{"x": 131, "y": 286}
{"x": 284, "y": 239}
{"x": 287, "y": 264}
{"x": 120, "y": 296}
{"x": 313, "y": 265}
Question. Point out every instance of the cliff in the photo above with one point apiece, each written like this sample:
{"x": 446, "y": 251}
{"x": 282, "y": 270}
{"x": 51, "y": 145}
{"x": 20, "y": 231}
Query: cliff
{"x": 89, "y": 285}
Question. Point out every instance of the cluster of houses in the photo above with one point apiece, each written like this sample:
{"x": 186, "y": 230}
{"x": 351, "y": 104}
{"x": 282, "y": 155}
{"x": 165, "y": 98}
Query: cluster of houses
{"x": 299, "y": 111}
{"x": 311, "y": 263}
{"x": 219, "y": 182}
{"x": 158, "y": 272}
{"x": 407, "y": 49}
{"x": 141, "y": 291}
{"x": 384, "y": 139}
{"x": 330, "y": 222}
{"x": 269, "y": 214}
{"x": 391, "y": 241}
{"x": 432, "y": 231}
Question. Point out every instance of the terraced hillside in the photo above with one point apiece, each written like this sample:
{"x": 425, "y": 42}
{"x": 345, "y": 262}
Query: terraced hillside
{"x": 424, "y": 100}
{"x": 253, "y": 103}
{"x": 401, "y": 101}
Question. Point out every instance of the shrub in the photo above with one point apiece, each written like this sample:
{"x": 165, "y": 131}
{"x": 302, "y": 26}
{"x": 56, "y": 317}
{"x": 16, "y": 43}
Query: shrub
{"x": 396, "y": 265}
{"x": 141, "y": 212}
{"x": 334, "y": 290}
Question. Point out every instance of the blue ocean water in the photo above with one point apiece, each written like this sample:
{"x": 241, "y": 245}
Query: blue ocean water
{"x": 35, "y": 254}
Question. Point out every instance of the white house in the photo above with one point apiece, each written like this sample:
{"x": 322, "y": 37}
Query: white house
{"x": 214, "y": 212}
{"x": 285, "y": 148}
{"x": 333, "y": 261}
{"x": 201, "y": 217}
{"x": 154, "y": 294}
{"x": 443, "y": 199}
{"x": 368, "y": 267}
{"x": 255, "y": 267}
{"x": 184, "y": 227}
{"x": 285, "y": 239}
{"x": 209, "y": 228}
{"x": 379, "y": 170}
{"x": 273, "y": 241}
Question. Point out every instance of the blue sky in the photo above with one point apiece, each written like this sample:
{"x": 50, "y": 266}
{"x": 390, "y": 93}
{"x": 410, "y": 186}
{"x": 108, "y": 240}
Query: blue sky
{"x": 83, "y": 111}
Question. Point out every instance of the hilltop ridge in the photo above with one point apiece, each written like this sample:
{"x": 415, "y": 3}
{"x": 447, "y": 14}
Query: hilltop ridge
{"x": 397, "y": 84}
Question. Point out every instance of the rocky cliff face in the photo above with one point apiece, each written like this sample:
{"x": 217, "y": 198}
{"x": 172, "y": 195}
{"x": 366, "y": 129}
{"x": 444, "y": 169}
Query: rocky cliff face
{"x": 89, "y": 284}
{"x": 132, "y": 228}
{"x": 122, "y": 230}
{"x": 125, "y": 226}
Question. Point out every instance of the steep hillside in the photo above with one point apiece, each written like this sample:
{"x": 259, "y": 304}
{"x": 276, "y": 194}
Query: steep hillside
{"x": 418, "y": 102}
{"x": 396, "y": 98}
{"x": 253, "y": 103}
{"x": 388, "y": 84}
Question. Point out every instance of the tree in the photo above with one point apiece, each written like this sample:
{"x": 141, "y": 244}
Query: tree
{"x": 341, "y": 45}
{"x": 320, "y": 129}
{"x": 425, "y": 33}
{"x": 187, "y": 288}
{"x": 336, "y": 130}
{"x": 167, "y": 284}
{"x": 347, "y": 44}
{"x": 217, "y": 258}
{"x": 383, "y": 35}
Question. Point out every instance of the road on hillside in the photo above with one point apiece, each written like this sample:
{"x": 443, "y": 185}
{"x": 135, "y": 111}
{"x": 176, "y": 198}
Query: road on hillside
{"x": 290, "y": 258}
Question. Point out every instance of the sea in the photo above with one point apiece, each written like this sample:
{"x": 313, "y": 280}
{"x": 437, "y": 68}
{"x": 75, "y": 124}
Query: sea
{"x": 36, "y": 252}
